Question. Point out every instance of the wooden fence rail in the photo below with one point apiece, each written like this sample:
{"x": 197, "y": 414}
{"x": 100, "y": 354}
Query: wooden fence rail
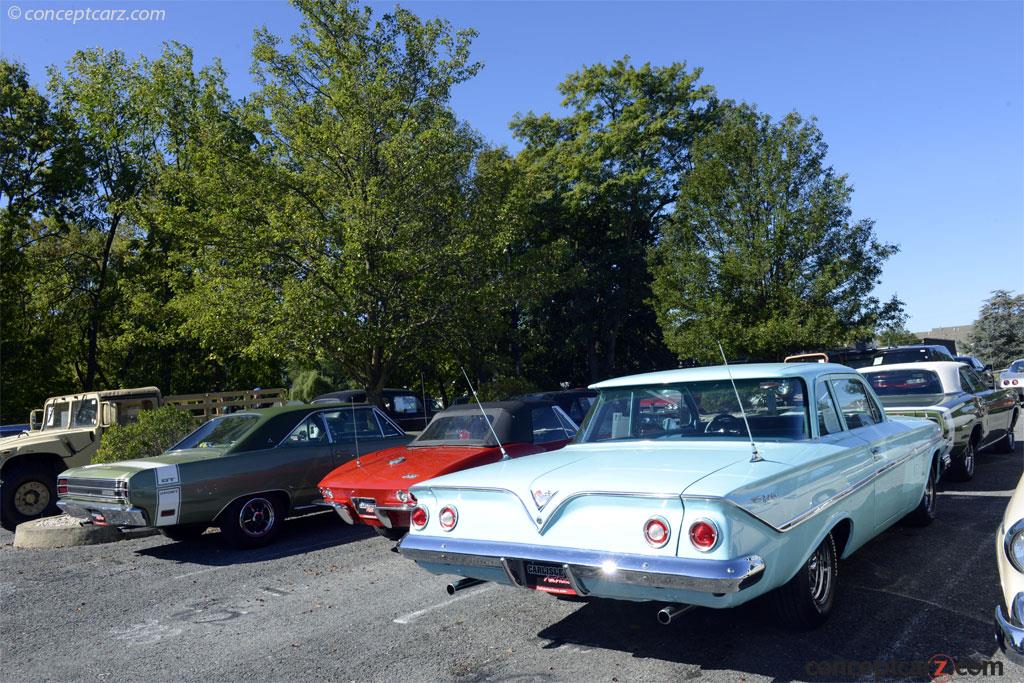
{"x": 211, "y": 404}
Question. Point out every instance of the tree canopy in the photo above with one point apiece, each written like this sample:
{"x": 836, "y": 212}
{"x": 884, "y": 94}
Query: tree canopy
{"x": 998, "y": 334}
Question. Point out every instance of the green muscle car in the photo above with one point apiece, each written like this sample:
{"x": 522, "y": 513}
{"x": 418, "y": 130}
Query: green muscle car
{"x": 242, "y": 472}
{"x": 971, "y": 413}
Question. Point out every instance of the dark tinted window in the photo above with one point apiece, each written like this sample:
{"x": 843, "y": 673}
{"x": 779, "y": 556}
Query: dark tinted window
{"x": 547, "y": 427}
{"x": 349, "y": 424}
{"x": 904, "y": 382}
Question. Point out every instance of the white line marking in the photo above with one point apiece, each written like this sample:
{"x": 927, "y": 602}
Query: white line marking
{"x": 413, "y": 616}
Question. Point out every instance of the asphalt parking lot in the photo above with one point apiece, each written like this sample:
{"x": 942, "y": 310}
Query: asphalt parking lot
{"x": 333, "y": 602}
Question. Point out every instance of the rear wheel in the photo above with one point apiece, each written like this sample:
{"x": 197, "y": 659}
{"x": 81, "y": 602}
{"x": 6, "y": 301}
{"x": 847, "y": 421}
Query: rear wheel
{"x": 806, "y": 600}
{"x": 962, "y": 468}
{"x": 184, "y": 532}
{"x": 252, "y": 521}
{"x": 28, "y": 491}
{"x": 394, "y": 534}
{"x": 1009, "y": 442}
{"x": 924, "y": 513}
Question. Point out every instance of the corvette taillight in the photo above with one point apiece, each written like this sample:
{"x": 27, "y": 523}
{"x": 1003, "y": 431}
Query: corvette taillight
{"x": 704, "y": 535}
{"x": 448, "y": 517}
{"x": 657, "y": 531}
{"x": 62, "y": 487}
{"x": 419, "y": 517}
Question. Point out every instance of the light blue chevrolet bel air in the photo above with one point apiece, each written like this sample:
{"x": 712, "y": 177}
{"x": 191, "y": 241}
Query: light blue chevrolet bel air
{"x": 707, "y": 486}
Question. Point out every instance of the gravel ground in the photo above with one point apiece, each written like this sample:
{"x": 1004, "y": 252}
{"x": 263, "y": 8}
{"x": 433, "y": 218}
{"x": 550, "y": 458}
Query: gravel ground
{"x": 331, "y": 601}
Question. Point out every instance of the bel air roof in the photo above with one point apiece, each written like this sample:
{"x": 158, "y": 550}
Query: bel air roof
{"x": 948, "y": 371}
{"x": 808, "y": 371}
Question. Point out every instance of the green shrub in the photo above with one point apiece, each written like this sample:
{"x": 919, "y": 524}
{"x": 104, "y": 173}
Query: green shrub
{"x": 154, "y": 432}
{"x": 309, "y": 384}
{"x": 502, "y": 387}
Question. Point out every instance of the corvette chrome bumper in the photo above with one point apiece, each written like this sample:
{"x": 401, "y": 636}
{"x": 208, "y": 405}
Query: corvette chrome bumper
{"x": 583, "y": 566}
{"x": 104, "y": 513}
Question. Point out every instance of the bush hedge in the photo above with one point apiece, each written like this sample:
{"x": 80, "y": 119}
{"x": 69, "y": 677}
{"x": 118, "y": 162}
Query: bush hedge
{"x": 154, "y": 432}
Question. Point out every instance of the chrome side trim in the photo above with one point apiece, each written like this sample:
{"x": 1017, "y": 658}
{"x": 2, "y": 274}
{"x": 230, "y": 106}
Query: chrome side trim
{"x": 586, "y": 567}
{"x": 1017, "y": 527}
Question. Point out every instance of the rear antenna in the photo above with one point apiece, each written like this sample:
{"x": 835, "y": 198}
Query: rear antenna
{"x": 355, "y": 431}
{"x": 755, "y": 457}
{"x": 504, "y": 455}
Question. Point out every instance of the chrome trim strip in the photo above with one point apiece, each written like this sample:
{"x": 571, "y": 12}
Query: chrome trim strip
{"x": 1015, "y": 529}
{"x": 342, "y": 511}
{"x": 1009, "y": 631}
{"x": 651, "y": 571}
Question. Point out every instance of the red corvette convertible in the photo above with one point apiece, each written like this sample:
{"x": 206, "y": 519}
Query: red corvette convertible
{"x": 373, "y": 490}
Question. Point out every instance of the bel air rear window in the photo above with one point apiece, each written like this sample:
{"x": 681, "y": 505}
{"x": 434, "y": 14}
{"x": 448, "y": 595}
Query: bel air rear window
{"x": 775, "y": 409}
{"x": 905, "y": 382}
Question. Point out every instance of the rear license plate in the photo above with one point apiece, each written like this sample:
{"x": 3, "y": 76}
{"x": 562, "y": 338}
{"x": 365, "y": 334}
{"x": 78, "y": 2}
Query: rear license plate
{"x": 365, "y": 506}
{"x": 547, "y": 577}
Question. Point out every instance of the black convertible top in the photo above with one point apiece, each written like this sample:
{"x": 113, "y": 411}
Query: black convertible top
{"x": 512, "y": 421}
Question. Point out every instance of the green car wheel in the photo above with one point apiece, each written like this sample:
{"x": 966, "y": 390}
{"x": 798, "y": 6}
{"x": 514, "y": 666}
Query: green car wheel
{"x": 253, "y": 521}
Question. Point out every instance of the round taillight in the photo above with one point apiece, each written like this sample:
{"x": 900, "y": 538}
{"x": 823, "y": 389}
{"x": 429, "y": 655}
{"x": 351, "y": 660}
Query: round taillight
{"x": 704, "y": 535}
{"x": 1014, "y": 382}
{"x": 327, "y": 493}
{"x": 419, "y": 517}
{"x": 448, "y": 517}
{"x": 657, "y": 531}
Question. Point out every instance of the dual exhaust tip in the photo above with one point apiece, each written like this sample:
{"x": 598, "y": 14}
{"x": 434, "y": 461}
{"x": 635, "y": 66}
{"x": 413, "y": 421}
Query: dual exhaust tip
{"x": 665, "y": 615}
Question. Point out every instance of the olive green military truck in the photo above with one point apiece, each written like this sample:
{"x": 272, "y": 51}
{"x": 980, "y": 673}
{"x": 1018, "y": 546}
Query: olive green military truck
{"x": 64, "y": 433}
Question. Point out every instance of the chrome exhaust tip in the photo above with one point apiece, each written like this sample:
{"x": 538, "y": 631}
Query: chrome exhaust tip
{"x": 669, "y": 612}
{"x": 461, "y": 584}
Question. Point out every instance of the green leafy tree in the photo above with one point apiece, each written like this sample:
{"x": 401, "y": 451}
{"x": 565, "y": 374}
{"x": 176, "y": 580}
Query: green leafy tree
{"x": 342, "y": 236}
{"x": 308, "y": 384}
{"x": 897, "y": 335}
{"x": 998, "y": 333}
{"x": 609, "y": 173}
{"x": 762, "y": 254}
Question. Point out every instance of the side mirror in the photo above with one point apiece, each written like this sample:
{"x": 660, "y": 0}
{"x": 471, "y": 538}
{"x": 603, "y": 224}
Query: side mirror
{"x": 35, "y": 419}
{"x": 108, "y": 414}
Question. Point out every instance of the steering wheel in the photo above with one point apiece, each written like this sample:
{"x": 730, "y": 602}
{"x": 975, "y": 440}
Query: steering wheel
{"x": 724, "y": 423}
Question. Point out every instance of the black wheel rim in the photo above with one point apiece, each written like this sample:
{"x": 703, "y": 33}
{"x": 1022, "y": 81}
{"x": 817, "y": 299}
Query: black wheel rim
{"x": 929, "y": 494}
{"x": 969, "y": 459}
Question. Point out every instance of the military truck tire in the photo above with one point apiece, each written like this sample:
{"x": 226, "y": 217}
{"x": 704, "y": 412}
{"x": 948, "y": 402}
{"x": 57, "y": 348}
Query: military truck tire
{"x": 252, "y": 521}
{"x": 184, "y": 532}
{"x": 28, "y": 491}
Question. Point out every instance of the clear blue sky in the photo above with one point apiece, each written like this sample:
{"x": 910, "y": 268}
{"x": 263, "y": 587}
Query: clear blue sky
{"x": 921, "y": 103}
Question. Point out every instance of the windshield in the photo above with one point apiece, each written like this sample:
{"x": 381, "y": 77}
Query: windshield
{"x": 776, "y": 410}
{"x": 458, "y": 430}
{"x": 57, "y": 416}
{"x": 1017, "y": 366}
{"x": 84, "y": 413}
{"x": 905, "y": 382}
{"x": 220, "y": 432}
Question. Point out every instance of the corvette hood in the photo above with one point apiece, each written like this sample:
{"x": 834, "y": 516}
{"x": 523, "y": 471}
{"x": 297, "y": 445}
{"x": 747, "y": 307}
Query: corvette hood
{"x": 403, "y": 466}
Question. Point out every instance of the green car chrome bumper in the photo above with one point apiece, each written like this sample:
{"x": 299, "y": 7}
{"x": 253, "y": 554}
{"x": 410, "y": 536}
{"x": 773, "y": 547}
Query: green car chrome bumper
{"x": 105, "y": 513}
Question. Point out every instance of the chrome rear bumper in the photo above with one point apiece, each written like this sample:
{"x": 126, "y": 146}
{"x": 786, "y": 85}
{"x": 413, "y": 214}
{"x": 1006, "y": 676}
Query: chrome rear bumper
{"x": 583, "y": 566}
{"x": 1010, "y": 630}
{"x": 105, "y": 513}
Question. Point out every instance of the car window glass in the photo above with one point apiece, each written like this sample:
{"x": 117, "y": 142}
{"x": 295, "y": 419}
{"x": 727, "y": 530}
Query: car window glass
{"x": 348, "y": 424}
{"x": 854, "y": 403}
{"x": 969, "y": 378}
{"x": 828, "y": 417}
{"x": 387, "y": 427}
{"x": 567, "y": 422}
{"x": 904, "y": 382}
{"x": 1017, "y": 366}
{"x": 546, "y": 427}
{"x": 57, "y": 416}
{"x": 310, "y": 432}
{"x": 406, "y": 404}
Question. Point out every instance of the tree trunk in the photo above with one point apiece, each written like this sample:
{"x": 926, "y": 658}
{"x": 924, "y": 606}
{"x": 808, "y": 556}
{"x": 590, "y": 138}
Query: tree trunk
{"x": 92, "y": 354}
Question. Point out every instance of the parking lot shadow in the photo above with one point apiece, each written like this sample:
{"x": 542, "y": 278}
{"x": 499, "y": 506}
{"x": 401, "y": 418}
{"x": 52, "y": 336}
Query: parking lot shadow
{"x": 298, "y": 535}
{"x": 908, "y": 595}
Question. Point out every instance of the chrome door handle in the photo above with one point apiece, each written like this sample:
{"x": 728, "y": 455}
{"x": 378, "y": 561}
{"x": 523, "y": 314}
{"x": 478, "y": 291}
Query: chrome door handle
{"x": 876, "y": 451}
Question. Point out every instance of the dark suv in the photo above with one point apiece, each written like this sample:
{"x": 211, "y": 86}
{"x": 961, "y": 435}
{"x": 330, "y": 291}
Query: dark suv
{"x": 404, "y": 406}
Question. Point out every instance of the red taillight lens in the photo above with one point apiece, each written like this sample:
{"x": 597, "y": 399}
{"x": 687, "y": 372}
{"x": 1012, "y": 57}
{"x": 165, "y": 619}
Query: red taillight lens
{"x": 448, "y": 517}
{"x": 419, "y": 517}
{"x": 704, "y": 535}
{"x": 1014, "y": 382}
{"x": 62, "y": 487}
{"x": 657, "y": 531}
